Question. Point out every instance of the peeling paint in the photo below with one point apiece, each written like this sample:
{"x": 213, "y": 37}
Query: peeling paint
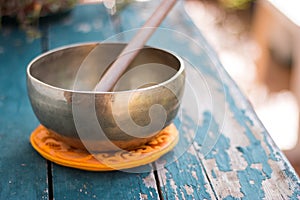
{"x": 162, "y": 171}
{"x": 271, "y": 154}
{"x": 220, "y": 154}
{"x": 251, "y": 175}
{"x": 232, "y": 186}
{"x": 296, "y": 194}
{"x": 256, "y": 166}
{"x": 174, "y": 187}
{"x": 254, "y": 153}
{"x": 194, "y": 174}
{"x": 213, "y": 174}
{"x": 192, "y": 151}
{"x": 293, "y": 176}
{"x": 149, "y": 181}
{"x": 182, "y": 195}
{"x": 189, "y": 190}
{"x": 143, "y": 196}
{"x": 148, "y": 187}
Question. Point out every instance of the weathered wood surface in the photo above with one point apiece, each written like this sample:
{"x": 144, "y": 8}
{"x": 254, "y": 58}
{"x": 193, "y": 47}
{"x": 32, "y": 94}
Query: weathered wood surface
{"x": 224, "y": 151}
{"x": 244, "y": 163}
{"x": 23, "y": 172}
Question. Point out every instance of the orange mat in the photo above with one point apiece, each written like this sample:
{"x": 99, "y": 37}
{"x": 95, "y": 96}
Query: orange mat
{"x": 58, "y": 152}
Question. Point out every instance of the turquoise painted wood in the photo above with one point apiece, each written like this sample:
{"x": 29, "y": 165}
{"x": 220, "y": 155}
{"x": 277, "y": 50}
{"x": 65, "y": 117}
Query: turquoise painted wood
{"x": 224, "y": 151}
{"x": 75, "y": 184}
{"x": 244, "y": 163}
{"x": 23, "y": 172}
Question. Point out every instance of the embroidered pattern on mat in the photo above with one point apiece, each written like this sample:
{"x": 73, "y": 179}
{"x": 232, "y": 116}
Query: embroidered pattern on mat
{"x": 61, "y": 153}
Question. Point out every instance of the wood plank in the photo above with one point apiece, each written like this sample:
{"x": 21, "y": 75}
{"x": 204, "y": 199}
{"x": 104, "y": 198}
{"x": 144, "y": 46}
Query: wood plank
{"x": 76, "y": 184}
{"x": 258, "y": 165}
{"x": 183, "y": 177}
{"x": 92, "y": 23}
{"x": 180, "y": 176}
{"x": 245, "y": 156}
{"x": 244, "y": 163}
{"x": 23, "y": 172}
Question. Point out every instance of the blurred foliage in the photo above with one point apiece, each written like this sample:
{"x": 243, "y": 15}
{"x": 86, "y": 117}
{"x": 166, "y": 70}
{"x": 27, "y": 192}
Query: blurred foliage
{"x": 27, "y": 12}
{"x": 236, "y": 4}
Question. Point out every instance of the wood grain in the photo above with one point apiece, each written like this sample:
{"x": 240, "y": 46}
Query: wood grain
{"x": 23, "y": 172}
{"x": 244, "y": 162}
{"x": 229, "y": 155}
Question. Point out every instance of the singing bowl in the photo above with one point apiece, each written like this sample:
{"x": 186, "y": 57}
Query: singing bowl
{"x": 58, "y": 86}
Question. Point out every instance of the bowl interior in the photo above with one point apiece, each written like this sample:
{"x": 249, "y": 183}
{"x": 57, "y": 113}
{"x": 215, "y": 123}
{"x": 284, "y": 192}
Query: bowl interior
{"x": 80, "y": 67}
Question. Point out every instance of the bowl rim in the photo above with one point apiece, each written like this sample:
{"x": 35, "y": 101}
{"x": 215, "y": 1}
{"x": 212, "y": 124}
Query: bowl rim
{"x": 31, "y": 77}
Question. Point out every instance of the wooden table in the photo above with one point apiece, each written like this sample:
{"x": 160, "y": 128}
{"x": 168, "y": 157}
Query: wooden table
{"x": 228, "y": 153}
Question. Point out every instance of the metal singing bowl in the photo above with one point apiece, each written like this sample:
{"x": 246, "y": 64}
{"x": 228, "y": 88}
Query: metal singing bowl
{"x": 62, "y": 80}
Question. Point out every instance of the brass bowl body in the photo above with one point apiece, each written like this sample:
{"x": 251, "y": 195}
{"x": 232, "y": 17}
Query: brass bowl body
{"x": 50, "y": 83}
